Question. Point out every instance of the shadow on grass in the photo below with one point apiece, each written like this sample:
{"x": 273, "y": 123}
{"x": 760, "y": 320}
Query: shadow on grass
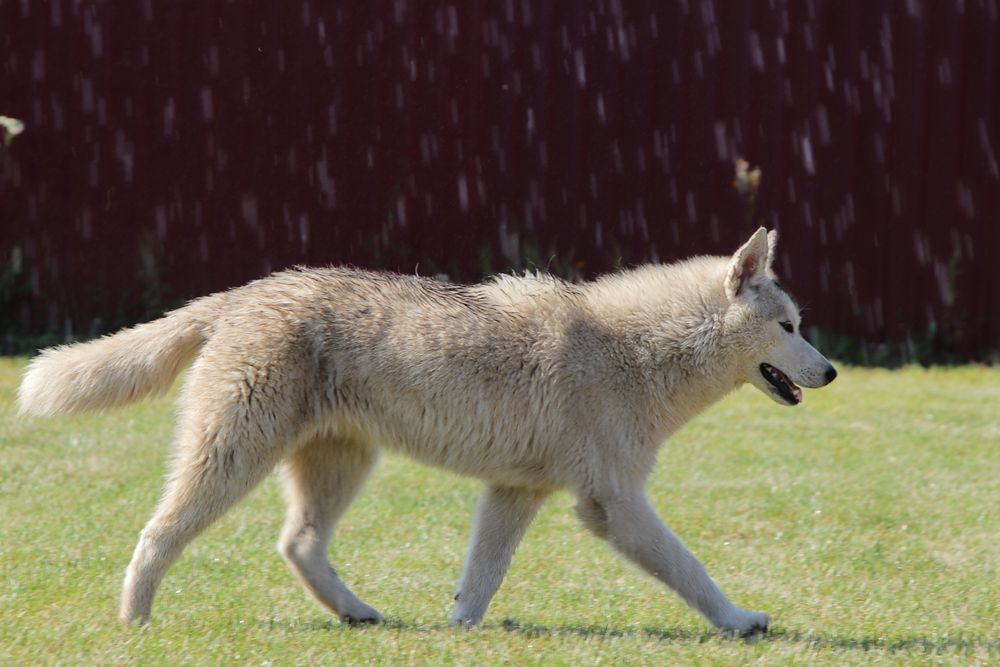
{"x": 813, "y": 640}
{"x": 928, "y": 645}
{"x": 891, "y": 644}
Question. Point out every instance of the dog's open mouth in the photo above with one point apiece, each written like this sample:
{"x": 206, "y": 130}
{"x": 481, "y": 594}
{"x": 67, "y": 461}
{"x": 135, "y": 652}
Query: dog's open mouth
{"x": 785, "y": 387}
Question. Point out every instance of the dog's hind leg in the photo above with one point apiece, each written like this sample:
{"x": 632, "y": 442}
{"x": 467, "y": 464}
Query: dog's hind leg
{"x": 320, "y": 481}
{"x": 631, "y": 525}
{"x": 502, "y": 517}
{"x": 211, "y": 474}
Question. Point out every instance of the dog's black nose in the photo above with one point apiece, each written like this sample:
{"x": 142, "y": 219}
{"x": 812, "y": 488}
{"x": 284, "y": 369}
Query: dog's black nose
{"x": 831, "y": 374}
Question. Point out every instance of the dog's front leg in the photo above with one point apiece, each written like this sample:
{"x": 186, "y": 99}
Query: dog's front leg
{"x": 631, "y": 525}
{"x": 502, "y": 517}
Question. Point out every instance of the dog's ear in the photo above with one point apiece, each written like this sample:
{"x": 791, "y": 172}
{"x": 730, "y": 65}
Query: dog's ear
{"x": 747, "y": 263}
{"x": 772, "y": 247}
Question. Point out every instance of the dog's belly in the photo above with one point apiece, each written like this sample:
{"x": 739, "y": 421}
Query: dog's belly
{"x": 497, "y": 451}
{"x": 506, "y": 472}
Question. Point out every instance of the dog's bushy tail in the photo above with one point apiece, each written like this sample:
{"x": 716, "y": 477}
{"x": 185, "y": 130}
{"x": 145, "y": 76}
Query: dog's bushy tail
{"x": 115, "y": 370}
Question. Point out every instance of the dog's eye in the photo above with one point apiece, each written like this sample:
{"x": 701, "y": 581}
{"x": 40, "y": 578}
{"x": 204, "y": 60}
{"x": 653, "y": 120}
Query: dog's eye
{"x": 787, "y": 326}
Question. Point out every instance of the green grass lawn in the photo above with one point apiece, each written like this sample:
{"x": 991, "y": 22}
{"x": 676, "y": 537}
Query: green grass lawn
{"x": 866, "y": 522}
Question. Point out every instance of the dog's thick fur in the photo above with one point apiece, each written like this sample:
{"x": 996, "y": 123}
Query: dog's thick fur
{"x": 528, "y": 383}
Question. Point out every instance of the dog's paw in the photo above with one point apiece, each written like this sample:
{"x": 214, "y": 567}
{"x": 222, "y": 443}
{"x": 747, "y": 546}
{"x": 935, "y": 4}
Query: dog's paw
{"x": 362, "y": 615}
{"x": 745, "y": 624}
{"x": 135, "y": 621}
{"x": 465, "y": 618}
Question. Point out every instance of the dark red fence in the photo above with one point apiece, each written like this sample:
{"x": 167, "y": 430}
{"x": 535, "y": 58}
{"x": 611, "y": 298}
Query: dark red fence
{"x": 173, "y": 149}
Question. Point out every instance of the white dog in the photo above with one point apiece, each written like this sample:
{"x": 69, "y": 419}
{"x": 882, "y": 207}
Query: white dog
{"x": 528, "y": 383}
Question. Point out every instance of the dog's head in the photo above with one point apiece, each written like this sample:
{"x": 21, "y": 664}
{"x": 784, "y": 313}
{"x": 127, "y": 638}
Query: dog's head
{"x": 763, "y": 324}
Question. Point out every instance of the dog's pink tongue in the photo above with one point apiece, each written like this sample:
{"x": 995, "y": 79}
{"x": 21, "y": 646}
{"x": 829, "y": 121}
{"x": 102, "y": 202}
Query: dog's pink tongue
{"x": 797, "y": 393}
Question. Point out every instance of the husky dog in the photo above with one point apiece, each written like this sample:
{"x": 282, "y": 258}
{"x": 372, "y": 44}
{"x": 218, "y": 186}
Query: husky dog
{"x": 527, "y": 382}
